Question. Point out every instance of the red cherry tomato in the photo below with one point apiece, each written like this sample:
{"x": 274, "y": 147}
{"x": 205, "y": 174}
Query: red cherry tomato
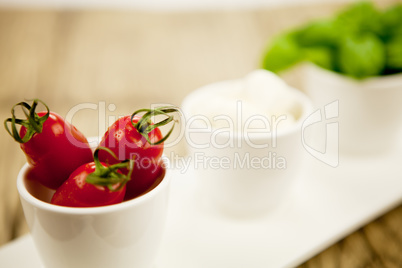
{"x": 145, "y": 177}
{"x": 124, "y": 140}
{"x": 92, "y": 185}
{"x": 53, "y": 147}
{"x": 76, "y": 192}
{"x": 139, "y": 139}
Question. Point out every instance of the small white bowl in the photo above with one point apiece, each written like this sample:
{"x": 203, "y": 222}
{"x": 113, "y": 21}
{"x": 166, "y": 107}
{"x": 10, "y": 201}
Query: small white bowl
{"x": 121, "y": 235}
{"x": 233, "y": 173}
{"x": 370, "y": 110}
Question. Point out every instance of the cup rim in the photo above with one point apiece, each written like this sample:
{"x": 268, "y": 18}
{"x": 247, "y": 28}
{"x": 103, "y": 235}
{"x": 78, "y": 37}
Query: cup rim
{"x": 371, "y": 82}
{"x": 302, "y": 99}
{"x": 28, "y": 197}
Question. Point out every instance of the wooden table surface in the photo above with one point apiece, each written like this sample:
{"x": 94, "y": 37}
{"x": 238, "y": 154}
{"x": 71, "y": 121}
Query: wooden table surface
{"x": 123, "y": 60}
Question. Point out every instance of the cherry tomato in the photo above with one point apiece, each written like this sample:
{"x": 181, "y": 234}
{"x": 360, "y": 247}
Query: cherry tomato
{"x": 127, "y": 143}
{"x": 53, "y": 147}
{"x": 145, "y": 177}
{"x": 92, "y": 185}
{"x": 139, "y": 139}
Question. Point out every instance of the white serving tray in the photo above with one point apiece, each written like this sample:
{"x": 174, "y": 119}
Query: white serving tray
{"x": 327, "y": 204}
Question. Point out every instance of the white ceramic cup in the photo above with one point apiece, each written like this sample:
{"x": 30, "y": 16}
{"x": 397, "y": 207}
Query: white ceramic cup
{"x": 370, "y": 110}
{"x": 119, "y": 236}
{"x": 244, "y": 180}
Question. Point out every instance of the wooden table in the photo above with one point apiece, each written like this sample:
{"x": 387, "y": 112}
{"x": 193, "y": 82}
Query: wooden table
{"x": 122, "y": 60}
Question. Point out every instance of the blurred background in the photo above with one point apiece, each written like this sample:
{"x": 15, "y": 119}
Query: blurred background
{"x": 164, "y": 5}
{"x": 91, "y": 60}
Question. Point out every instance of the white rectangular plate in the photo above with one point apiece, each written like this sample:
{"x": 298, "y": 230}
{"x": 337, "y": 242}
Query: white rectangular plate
{"x": 327, "y": 204}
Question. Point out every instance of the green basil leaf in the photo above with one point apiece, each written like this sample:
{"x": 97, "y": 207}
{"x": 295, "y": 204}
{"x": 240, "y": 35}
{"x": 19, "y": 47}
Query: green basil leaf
{"x": 321, "y": 56}
{"x": 394, "y": 53}
{"x": 360, "y": 18}
{"x": 391, "y": 20}
{"x": 319, "y": 33}
{"x": 282, "y": 54}
{"x": 361, "y": 56}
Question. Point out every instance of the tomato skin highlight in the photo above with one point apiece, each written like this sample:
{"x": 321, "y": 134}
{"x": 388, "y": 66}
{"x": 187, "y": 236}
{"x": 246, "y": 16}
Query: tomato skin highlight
{"x": 127, "y": 143}
{"x": 55, "y": 152}
{"x": 76, "y": 192}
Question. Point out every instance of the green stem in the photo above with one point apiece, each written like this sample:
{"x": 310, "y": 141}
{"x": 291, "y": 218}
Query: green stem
{"x": 144, "y": 126}
{"x": 33, "y": 122}
{"x": 108, "y": 176}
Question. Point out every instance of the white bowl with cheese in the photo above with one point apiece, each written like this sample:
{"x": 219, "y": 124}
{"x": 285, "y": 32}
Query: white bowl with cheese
{"x": 245, "y": 139}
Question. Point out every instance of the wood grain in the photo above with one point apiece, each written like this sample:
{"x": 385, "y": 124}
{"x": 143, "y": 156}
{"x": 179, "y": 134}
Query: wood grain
{"x": 122, "y": 60}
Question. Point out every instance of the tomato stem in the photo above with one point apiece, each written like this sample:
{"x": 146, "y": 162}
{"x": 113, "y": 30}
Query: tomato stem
{"x": 33, "y": 122}
{"x": 144, "y": 126}
{"x": 108, "y": 176}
